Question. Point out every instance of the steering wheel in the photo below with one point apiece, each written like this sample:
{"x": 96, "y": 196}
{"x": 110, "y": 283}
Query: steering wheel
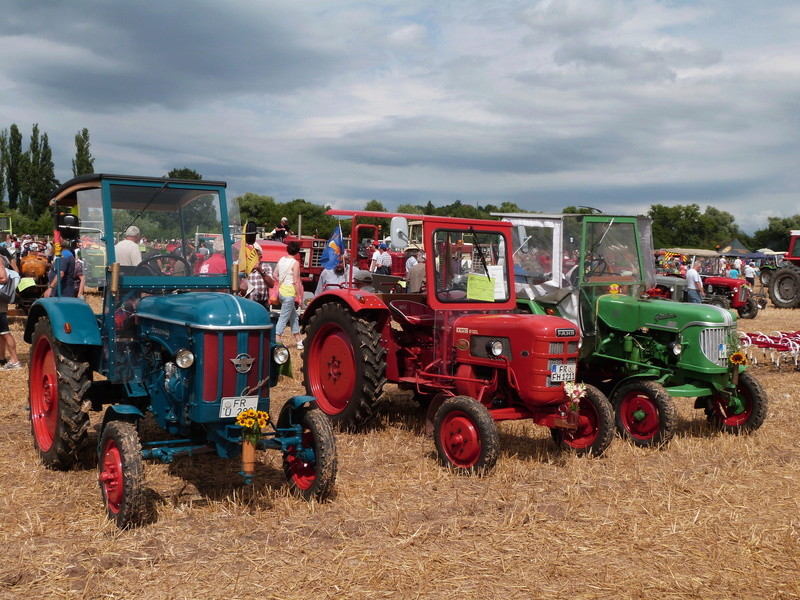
{"x": 147, "y": 269}
{"x": 597, "y": 266}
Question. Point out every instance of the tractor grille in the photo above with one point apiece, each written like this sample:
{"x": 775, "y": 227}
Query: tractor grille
{"x": 743, "y": 292}
{"x": 316, "y": 257}
{"x": 713, "y": 342}
{"x": 219, "y": 375}
{"x": 558, "y": 347}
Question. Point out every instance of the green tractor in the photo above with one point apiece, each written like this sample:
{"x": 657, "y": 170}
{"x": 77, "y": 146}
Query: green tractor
{"x": 595, "y": 270}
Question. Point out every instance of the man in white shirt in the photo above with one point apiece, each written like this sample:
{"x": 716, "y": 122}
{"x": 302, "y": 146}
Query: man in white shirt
{"x": 127, "y": 251}
{"x": 694, "y": 285}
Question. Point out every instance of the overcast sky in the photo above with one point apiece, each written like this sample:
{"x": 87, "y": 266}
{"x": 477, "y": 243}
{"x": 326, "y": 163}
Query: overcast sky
{"x": 609, "y": 103}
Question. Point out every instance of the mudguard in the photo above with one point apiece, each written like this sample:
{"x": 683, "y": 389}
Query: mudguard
{"x": 356, "y": 300}
{"x": 72, "y": 320}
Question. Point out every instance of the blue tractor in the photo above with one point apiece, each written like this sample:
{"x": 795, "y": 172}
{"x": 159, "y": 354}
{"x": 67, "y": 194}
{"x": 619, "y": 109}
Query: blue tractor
{"x": 171, "y": 341}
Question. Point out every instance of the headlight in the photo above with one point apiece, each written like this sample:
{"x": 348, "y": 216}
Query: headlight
{"x": 495, "y": 348}
{"x": 184, "y": 358}
{"x": 676, "y": 348}
{"x": 280, "y": 354}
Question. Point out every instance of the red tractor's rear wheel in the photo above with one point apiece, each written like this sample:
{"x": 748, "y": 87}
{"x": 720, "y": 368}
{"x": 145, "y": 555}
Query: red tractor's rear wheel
{"x": 121, "y": 474}
{"x": 343, "y": 365}
{"x": 596, "y": 431}
{"x": 312, "y": 478}
{"x": 784, "y": 287}
{"x": 645, "y": 413}
{"x": 57, "y": 384}
{"x": 754, "y": 400}
{"x": 466, "y": 435}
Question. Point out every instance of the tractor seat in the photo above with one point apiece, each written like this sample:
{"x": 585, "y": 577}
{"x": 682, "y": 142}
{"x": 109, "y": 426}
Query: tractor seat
{"x": 413, "y": 313}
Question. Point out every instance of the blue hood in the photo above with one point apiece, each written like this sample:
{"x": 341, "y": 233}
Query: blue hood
{"x": 204, "y": 309}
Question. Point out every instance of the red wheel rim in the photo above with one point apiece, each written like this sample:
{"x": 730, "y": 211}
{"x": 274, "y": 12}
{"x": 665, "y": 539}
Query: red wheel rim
{"x": 586, "y": 433}
{"x": 43, "y": 388}
{"x": 460, "y": 439}
{"x": 721, "y": 408}
{"x": 639, "y": 415}
{"x": 301, "y": 473}
{"x": 111, "y": 476}
{"x": 332, "y": 369}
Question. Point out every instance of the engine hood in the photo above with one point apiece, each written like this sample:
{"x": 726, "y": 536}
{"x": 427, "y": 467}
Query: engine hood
{"x": 204, "y": 309}
{"x": 625, "y": 313}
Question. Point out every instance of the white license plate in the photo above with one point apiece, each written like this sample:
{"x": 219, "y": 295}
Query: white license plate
{"x": 562, "y": 373}
{"x": 233, "y": 405}
{"x": 723, "y": 351}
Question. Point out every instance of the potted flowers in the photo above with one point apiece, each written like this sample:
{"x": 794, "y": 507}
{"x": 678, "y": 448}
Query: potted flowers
{"x": 252, "y": 422}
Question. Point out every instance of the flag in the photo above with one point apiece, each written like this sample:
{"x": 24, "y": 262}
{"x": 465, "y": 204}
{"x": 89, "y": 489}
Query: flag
{"x": 333, "y": 251}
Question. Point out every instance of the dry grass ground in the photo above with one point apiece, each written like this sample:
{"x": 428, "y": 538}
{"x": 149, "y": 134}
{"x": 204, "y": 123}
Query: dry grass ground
{"x": 710, "y": 516}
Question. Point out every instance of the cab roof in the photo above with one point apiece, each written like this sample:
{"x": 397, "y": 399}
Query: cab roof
{"x": 66, "y": 194}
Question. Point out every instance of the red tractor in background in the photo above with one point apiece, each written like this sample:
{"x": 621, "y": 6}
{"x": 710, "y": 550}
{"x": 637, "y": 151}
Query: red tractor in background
{"x": 460, "y": 346}
{"x": 784, "y": 284}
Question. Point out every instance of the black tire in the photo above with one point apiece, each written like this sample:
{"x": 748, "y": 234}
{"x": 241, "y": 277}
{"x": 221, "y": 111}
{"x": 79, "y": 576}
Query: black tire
{"x": 784, "y": 287}
{"x": 121, "y": 475}
{"x": 466, "y": 436}
{"x": 756, "y": 405}
{"x": 343, "y": 365}
{"x": 58, "y": 382}
{"x": 645, "y": 413}
{"x": 749, "y": 310}
{"x": 311, "y": 480}
{"x": 765, "y": 277}
{"x": 720, "y": 301}
{"x": 596, "y": 435}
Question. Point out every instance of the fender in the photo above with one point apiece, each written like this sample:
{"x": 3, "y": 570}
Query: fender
{"x": 121, "y": 412}
{"x": 356, "y": 300}
{"x": 63, "y": 311}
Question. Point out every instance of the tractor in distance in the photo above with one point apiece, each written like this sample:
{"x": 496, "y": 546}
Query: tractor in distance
{"x": 169, "y": 343}
{"x": 459, "y": 344}
{"x": 640, "y": 351}
{"x": 784, "y": 284}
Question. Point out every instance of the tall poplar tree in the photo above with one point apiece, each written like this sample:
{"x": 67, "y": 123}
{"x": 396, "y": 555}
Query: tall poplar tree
{"x": 83, "y": 163}
{"x": 3, "y": 160}
{"x": 13, "y": 165}
{"x": 40, "y": 179}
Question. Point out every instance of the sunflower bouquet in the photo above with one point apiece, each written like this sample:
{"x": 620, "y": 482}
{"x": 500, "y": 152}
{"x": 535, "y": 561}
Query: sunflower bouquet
{"x": 738, "y": 358}
{"x": 575, "y": 393}
{"x": 252, "y": 422}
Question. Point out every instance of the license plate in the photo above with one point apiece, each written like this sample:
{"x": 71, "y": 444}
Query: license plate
{"x": 562, "y": 373}
{"x": 723, "y": 351}
{"x": 231, "y": 406}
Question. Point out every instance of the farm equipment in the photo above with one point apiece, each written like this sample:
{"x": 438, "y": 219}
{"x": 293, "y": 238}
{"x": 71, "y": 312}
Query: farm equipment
{"x": 640, "y": 351}
{"x": 177, "y": 346}
{"x": 460, "y": 346}
{"x": 722, "y": 291}
{"x": 784, "y": 284}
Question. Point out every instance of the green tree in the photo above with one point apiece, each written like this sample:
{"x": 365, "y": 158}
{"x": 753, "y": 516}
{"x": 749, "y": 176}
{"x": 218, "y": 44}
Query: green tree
{"x": 40, "y": 179}
{"x": 83, "y": 163}
{"x": 3, "y": 160}
{"x": 14, "y": 159}
{"x": 375, "y": 206}
{"x": 410, "y": 209}
{"x": 184, "y": 173}
{"x": 776, "y": 234}
{"x": 262, "y": 210}
{"x": 685, "y": 226}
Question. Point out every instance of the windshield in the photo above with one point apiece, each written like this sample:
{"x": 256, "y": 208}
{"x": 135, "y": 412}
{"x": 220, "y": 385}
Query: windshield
{"x": 611, "y": 253}
{"x": 470, "y": 266}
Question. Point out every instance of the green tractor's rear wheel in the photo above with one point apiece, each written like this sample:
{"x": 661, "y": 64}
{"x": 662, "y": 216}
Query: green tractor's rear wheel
{"x": 58, "y": 381}
{"x": 121, "y": 474}
{"x": 645, "y": 413}
{"x": 753, "y": 398}
{"x": 343, "y": 365}
{"x": 311, "y": 477}
{"x": 596, "y": 431}
{"x": 466, "y": 436}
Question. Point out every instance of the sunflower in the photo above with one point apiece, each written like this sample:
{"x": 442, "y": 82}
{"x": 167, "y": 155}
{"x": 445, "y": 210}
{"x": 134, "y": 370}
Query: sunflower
{"x": 738, "y": 358}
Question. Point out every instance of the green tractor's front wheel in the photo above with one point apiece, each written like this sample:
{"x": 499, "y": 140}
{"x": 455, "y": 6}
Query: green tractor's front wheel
{"x": 57, "y": 384}
{"x": 310, "y": 469}
{"x": 645, "y": 413}
{"x": 750, "y": 401}
{"x": 121, "y": 475}
{"x": 596, "y": 430}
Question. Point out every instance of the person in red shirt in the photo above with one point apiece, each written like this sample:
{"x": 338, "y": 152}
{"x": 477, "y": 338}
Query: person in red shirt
{"x": 215, "y": 264}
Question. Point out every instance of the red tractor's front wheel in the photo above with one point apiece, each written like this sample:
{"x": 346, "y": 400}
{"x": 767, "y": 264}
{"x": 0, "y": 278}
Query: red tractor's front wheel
{"x": 311, "y": 468}
{"x": 645, "y": 413}
{"x": 752, "y": 398}
{"x": 57, "y": 384}
{"x": 596, "y": 429}
{"x": 343, "y": 365}
{"x": 121, "y": 474}
{"x": 466, "y": 435}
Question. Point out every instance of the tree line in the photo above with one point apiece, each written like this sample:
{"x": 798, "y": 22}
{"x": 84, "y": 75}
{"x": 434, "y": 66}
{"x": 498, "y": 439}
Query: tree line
{"x": 27, "y": 179}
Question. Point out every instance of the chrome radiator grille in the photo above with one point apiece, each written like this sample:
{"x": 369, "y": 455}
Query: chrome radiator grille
{"x": 714, "y": 343}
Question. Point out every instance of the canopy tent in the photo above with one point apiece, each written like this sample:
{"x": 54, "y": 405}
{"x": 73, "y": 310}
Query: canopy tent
{"x": 735, "y": 248}
{"x": 756, "y": 256}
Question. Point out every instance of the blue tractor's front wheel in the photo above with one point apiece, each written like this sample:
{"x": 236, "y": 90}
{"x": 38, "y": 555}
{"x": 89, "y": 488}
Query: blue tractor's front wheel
{"x": 310, "y": 467}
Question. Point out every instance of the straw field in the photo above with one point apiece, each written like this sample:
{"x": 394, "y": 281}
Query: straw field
{"x": 710, "y": 516}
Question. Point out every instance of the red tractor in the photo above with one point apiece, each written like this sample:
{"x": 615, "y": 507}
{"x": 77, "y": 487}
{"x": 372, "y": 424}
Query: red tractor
{"x": 784, "y": 284}
{"x": 459, "y": 344}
